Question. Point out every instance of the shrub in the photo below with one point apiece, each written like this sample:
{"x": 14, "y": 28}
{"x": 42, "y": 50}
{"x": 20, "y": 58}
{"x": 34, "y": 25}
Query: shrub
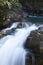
{"x": 5, "y": 5}
{"x": 9, "y": 3}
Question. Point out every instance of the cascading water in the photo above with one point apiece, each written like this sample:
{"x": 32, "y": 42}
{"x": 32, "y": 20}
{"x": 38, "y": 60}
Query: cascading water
{"x": 12, "y": 52}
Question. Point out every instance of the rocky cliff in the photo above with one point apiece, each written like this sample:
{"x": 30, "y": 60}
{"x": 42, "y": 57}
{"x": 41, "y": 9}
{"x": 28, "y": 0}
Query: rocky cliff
{"x": 33, "y": 7}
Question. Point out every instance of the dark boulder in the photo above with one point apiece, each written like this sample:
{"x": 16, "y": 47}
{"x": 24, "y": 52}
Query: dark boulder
{"x": 34, "y": 44}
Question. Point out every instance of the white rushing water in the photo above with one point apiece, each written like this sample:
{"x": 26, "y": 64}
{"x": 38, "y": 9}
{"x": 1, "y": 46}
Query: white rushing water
{"x": 12, "y": 51}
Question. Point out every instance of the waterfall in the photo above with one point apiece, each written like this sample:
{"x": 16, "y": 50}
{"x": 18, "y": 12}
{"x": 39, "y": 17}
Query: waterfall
{"x": 12, "y": 51}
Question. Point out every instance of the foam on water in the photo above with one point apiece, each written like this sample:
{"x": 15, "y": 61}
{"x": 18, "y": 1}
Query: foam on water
{"x": 14, "y": 25}
{"x": 12, "y": 51}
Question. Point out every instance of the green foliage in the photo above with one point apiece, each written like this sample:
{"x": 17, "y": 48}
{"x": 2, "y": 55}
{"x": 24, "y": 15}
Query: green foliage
{"x": 5, "y": 5}
{"x": 9, "y": 3}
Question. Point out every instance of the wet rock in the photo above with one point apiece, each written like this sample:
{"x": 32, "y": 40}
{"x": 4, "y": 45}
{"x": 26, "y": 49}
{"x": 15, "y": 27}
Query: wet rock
{"x": 7, "y": 32}
{"x": 21, "y": 25}
{"x": 10, "y": 31}
{"x": 34, "y": 43}
{"x": 35, "y": 40}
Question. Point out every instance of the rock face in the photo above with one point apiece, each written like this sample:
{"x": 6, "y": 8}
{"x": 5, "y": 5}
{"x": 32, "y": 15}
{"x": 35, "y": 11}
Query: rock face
{"x": 34, "y": 7}
{"x": 35, "y": 44}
